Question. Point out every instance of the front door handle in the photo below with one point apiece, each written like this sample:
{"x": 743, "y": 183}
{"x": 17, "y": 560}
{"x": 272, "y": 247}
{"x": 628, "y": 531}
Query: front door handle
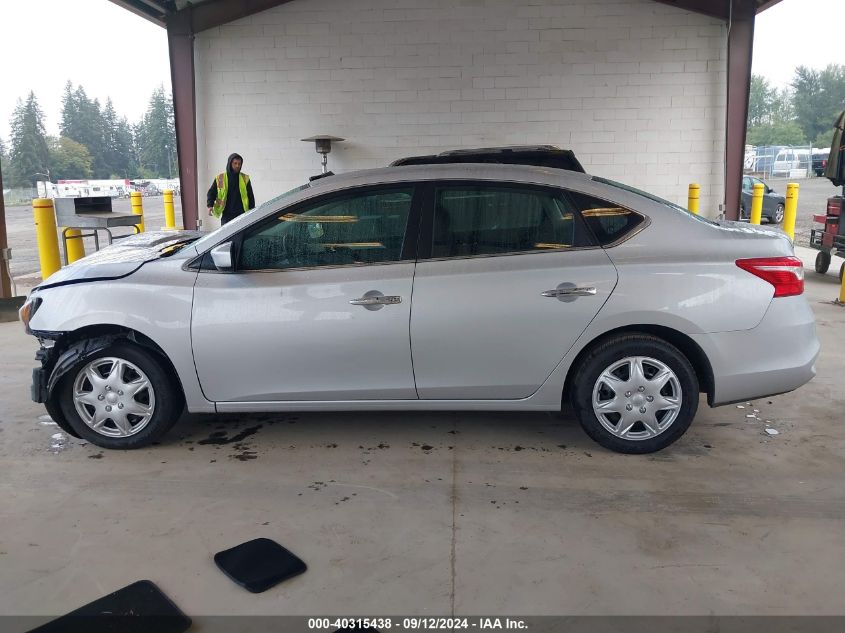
{"x": 576, "y": 291}
{"x": 376, "y": 301}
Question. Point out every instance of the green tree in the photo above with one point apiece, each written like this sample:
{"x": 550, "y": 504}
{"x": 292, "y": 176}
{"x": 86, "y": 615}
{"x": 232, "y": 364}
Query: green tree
{"x": 28, "y": 154}
{"x": 760, "y": 99}
{"x": 4, "y": 156}
{"x": 83, "y": 122}
{"x": 156, "y": 136}
{"x": 817, "y": 98}
{"x": 68, "y": 159}
{"x": 771, "y": 117}
{"x": 779, "y": 133}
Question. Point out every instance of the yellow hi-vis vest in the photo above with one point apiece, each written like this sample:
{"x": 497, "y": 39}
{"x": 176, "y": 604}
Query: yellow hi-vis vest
{"x": 223, "y": 191}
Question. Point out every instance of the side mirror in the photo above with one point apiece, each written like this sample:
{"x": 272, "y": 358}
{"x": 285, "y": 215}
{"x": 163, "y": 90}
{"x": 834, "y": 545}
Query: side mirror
{"x": 222, "y": 256}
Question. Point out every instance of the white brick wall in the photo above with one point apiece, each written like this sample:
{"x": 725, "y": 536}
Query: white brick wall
{"x": 636, "y": 88}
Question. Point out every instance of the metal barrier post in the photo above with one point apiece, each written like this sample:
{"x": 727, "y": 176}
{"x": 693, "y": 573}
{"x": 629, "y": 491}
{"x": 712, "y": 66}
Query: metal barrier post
{"x": 138, "y": 208}
{"x": 692, "y": 197}
{"x": 791, "y": 210}
{"x": 75, "y": 246}
{"x": 169, "y": 213}
{"x": 842, "y": 291}
{"x": 757, "y": 203}
{"x": 45, "y": 235}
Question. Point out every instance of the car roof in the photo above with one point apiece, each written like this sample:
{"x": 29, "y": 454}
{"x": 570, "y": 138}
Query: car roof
{"x": 451, "y": 171}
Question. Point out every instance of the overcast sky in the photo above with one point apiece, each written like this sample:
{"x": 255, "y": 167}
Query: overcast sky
{"x": 112, "y": 52}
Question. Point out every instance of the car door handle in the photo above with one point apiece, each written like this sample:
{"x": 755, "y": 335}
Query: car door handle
{"x": 376, "y": 301}
{"x": 570, "y": 292}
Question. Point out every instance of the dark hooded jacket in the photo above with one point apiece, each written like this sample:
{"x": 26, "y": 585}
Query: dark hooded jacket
{"x": 234, "y": 206}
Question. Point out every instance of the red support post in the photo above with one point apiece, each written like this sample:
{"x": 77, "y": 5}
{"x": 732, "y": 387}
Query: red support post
{"x": 740, "y": 48}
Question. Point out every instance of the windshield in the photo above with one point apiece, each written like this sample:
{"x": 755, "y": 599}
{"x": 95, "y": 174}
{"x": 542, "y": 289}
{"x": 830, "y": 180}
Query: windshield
{"x": 651, "y": 197}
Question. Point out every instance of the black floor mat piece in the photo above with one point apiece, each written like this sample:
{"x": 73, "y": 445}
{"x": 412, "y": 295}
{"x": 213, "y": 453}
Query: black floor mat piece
{"x": 259, "y": 564}
{"x": 139, "y": 608}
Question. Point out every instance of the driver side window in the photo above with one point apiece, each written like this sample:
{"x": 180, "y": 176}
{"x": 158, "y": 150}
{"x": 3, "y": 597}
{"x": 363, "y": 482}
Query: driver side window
{"x": 362, "y": 228}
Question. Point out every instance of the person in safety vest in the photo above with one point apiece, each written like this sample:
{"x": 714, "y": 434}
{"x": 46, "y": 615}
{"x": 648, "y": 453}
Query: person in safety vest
{"x": 231, "y": 192}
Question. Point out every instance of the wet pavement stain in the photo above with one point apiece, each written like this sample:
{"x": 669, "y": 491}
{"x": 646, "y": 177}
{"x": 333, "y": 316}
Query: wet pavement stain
{"x": 58, "y": 443}
{"x": 96, "y": 456}
{"x": 46, "y": 420}
{"x": 246, "y": 452}
{"x": 222, "y": 437}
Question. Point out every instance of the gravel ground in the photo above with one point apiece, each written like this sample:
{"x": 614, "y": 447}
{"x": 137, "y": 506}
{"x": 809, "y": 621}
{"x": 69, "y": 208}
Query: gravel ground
{"x": 20, "y": 226}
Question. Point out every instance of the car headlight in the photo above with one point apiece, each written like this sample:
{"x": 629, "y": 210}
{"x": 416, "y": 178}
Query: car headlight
{"x": 28, "y": 311}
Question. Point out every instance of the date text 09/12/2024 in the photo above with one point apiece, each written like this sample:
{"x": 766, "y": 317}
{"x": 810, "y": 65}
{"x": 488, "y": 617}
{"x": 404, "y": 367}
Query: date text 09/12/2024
{"x": 417, "y": 623}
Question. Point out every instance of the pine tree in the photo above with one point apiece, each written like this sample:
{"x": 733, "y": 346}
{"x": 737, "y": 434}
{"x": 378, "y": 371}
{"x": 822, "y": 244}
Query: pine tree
{"x": 156, "y": 136}
{"x": 29, "y": 155}
{"x": 83, "y": 122}
{"x": 69, "y": 111}
{"x": 4, "y": 157}
{"x": 127, "y": 159}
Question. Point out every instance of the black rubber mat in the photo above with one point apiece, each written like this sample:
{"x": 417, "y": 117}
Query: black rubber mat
{"x": 259, "y": 564}
{"x": 139, "y": 608}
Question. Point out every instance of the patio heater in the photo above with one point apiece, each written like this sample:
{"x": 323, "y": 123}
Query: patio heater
{"x": 323, "y": 145}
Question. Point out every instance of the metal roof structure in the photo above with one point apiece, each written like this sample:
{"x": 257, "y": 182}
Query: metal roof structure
{"x": 184, "y": 18}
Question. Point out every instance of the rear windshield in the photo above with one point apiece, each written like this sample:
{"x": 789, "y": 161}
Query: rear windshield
{"x": 651, "y": 197}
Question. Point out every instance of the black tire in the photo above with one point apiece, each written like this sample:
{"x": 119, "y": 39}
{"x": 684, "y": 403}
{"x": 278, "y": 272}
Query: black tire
{"x": 822, "y": 262}
{"x": 55, "y": 412}
{"x": 168, "y": 406}
{"x": 617, "y": 348}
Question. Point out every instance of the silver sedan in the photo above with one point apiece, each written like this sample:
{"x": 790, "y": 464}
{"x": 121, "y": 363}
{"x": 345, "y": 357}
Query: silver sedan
{"x": 429, "y": 287}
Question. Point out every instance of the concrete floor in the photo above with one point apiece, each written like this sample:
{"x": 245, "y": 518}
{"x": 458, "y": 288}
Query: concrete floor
{"x": 438, "y": 513}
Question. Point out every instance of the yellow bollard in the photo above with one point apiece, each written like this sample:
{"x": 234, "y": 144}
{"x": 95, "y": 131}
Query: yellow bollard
{"x": 45, "y": 235}
{"x": 842, "y": 290}
{"x": 75, "y": 246}
{"x": 169, "y": 213}
{"x": 791, "y": 210}
{"x": 138, "y": 208}
{"x": 692, "y": 198}
{"x": 757, "y": 203}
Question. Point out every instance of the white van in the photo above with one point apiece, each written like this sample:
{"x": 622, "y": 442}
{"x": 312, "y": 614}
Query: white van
{"x": 791, "y": 162}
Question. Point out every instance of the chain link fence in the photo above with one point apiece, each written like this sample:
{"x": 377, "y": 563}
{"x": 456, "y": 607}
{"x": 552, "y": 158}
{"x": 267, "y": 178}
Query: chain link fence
{"x": 24, "y": 195}
{"x": 785, "y": 161}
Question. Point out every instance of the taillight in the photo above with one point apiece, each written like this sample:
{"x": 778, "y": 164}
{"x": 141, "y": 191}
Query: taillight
{"x": 786, "y": 274}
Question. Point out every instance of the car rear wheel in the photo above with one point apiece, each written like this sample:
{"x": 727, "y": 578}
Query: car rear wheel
{"x": 822, "y": 262}
{"x": 119, "y": 398}
{"x": 635, "y": 393}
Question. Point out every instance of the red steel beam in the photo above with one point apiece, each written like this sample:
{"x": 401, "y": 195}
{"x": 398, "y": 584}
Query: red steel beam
{"x": 714, "y": 8}
{"x": 212, "y": 13}
{"x": 180, "y": 40}
{"x": 5, "y": 286}
{"x": 740, "y": 49}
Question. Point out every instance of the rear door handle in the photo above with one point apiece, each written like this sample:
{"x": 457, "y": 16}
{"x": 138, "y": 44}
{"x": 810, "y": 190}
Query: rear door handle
{"x": 576, "y": 291}
{"x": 376, "y": 301}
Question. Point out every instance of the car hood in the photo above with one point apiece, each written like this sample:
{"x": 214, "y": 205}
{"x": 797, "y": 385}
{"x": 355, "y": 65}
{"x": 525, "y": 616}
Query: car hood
{"x": 122, "y": 258}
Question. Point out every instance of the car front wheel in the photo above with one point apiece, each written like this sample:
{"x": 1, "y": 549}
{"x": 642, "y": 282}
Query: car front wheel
{"x": 635, "y": 393}
{"x": 777, "y": 218}
{"x": 121, "y": 398}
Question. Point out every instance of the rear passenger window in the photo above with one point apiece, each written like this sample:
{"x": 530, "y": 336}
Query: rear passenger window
{"x": 489, "y": 220}
{"x": 607, "y": 221}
